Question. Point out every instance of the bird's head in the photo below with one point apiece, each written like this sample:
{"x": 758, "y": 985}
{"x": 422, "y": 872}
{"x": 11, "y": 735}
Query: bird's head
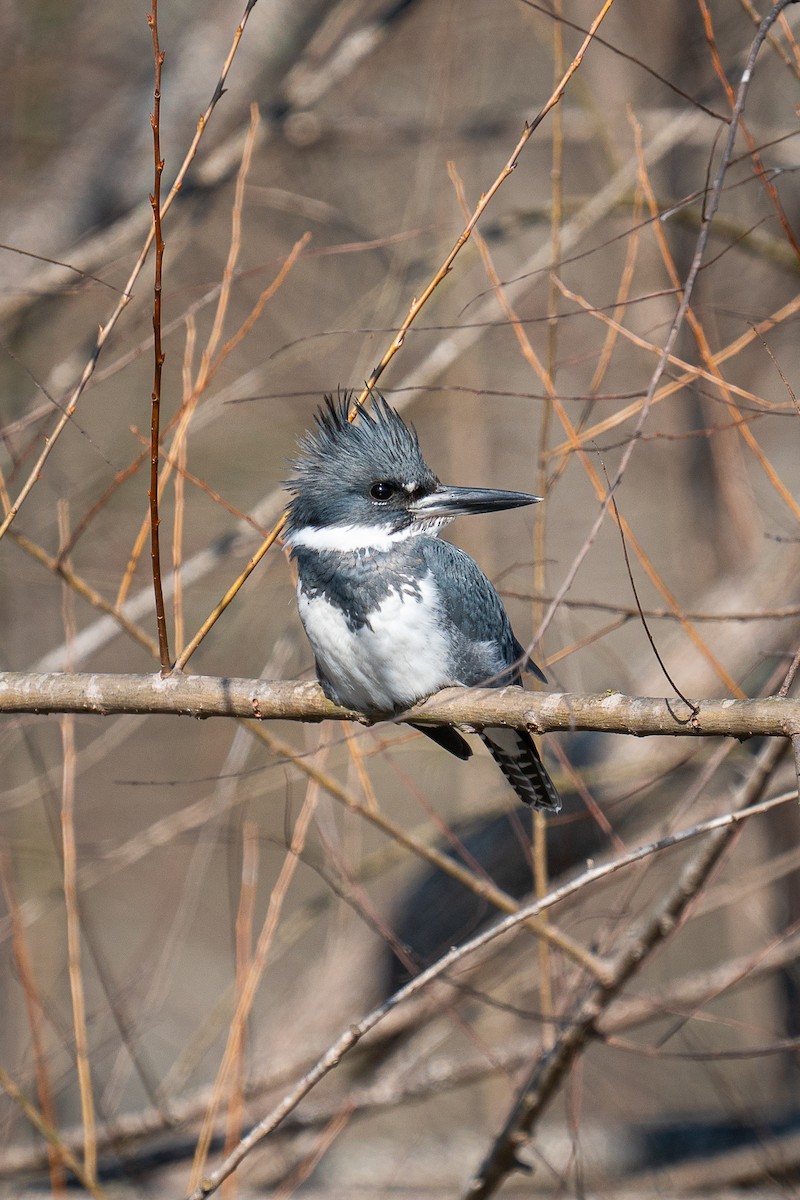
{"x": 365, "y": 483}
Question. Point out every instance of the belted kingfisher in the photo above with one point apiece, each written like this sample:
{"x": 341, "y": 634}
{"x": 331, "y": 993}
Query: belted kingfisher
{"x": 394, "y": 614}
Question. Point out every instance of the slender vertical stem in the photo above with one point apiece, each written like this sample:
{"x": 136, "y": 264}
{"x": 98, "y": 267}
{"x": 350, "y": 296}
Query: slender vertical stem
{"x": 158, "y": 353}
{"x": 244, "y": 953}
{"x": 256, "y": 967}
{"x": 71, "y": 902}
{"x": 796, "y": 752}
{"x": 540, "y": 866}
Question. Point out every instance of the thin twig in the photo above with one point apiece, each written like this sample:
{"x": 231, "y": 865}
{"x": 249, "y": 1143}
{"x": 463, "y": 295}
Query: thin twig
{"x": 787, "y": 613}
{"x": 416, "y": 306}
{"x": 244, "y": 953}
{"x": 217, "y": 612}
{"x": 158, "y": 353}
{"x": 127, "y": 292}
{"x": 484, "y": 201}
{"x": 445, "y": 1071}
{"x": 689, "y": 374}
{"x": 445, "y": 353}
{"x": 556, "y": 15}
{"x": 355, "y": 1032}
{"x": 34, "y": 1009}
{"x": 714, "y": 198}
{"x": 602, "y": 493}
{"x": 642, "y": 617}
{"x": 73, "y": 916}
{"x": 179, "y": 488}
{"x": 541, "y": 880}
{"x": 64, "y": 569}
{"x": 253, "y": 976}
{"x": 477, "y": 883}
{"x": 738, "y": 498}
{"x": 50, "y": 1134}
{"x": 759, "y": 170}
{"x": 205, "y": 374}
{"x": 579, "y": 1028}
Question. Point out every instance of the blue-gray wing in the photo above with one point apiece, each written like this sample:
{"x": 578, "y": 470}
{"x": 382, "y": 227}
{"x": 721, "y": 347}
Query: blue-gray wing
{"x": 487, "y": 649}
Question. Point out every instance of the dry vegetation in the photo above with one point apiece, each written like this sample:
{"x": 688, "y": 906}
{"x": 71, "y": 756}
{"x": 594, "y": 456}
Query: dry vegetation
{"x": 200, "y": 920}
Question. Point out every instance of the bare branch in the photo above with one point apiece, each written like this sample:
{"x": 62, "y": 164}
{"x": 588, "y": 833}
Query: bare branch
{"x": 550, "y": 1068}
{"x": 270, "y": 700}
{"x": 576, "y": 1032}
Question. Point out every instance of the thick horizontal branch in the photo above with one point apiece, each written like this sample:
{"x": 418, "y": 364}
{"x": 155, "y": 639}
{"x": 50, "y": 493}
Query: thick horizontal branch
{"x": 541, "y": 712}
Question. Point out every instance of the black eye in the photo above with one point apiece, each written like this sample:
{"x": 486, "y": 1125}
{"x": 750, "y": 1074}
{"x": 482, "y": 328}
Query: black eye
{"x": 382, "y": 490}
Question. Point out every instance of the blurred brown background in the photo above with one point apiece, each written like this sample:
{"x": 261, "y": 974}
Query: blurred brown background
{"x": 363, "y": 106}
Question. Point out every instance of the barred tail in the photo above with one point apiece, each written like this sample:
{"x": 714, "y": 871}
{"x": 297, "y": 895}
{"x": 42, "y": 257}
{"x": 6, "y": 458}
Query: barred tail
{"x": 517, "y": 757}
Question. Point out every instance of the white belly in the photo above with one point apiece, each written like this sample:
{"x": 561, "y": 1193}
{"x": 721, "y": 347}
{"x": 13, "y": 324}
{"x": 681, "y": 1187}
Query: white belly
{"x": 397, "y": 661}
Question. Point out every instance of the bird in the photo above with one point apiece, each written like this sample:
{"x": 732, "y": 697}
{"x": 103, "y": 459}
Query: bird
{"x": 393, "y": 613}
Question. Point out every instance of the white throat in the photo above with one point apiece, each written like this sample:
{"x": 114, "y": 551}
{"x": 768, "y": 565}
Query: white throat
{"x": 345, "y": 538}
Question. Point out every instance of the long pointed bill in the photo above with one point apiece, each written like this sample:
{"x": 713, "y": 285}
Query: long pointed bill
{"x": 460, "y": 501}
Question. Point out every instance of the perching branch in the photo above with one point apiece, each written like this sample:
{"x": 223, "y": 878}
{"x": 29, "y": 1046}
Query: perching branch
{"x": 218, "y": 696}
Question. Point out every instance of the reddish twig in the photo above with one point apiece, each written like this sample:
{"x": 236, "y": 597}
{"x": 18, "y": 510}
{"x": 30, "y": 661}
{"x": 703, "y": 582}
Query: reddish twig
{"x": 158, "y": 353}
{"x": 72, "y": 904}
